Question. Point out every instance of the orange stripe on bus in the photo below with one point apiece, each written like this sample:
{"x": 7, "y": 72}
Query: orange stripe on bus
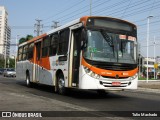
{"x": 109, "y": 73}
{"x": 37, "y": 38}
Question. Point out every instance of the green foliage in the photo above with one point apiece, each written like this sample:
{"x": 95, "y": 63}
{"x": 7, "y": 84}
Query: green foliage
{"x": 1, "y": 63}
{"x": 24, "y": 39}
{"x": 11, "y": 63}
{"x": 29, "y": 37}
{"x": 144, "y": 68}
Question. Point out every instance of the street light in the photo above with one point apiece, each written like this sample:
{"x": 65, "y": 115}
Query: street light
{"x": 154, "y": 58}
{"x": 148, "y": 20}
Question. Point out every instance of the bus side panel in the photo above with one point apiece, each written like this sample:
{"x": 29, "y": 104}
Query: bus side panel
{"x": 45, "y": 76}
{"x": 29, "y": 67}
{"x": 22, "y": 67}
{"x": 59, "y": 65}
{"x": 19, "y": 71}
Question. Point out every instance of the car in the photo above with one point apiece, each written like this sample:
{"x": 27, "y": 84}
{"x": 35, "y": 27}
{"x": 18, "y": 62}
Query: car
{"x": 1, "y": 71}
{"x": 9, "y": 72}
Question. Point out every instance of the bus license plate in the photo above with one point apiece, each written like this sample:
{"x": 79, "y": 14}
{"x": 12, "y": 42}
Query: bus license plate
{"x": 116, "y": 83}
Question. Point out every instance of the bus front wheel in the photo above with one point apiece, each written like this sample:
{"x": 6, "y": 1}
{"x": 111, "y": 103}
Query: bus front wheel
{"x": 61, "y": 84}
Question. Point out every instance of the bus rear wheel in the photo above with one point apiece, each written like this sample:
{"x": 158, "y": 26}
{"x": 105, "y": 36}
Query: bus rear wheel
{"x": 61, "y": 85}
{"x": 28, "y": 83}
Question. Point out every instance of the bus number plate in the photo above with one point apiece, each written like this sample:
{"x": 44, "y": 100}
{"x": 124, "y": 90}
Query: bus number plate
{"x": 116, "y": 83}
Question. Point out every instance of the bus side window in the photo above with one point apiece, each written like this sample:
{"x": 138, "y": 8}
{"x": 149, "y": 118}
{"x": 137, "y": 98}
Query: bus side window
{"x": 25, "y": 49}
{"x": 20, "y": 50}
{"x": 45, "y": 46}
{"x": 53, "y": 44}
{"x": 63, "y": 42}
{"x": 30, "y": 50}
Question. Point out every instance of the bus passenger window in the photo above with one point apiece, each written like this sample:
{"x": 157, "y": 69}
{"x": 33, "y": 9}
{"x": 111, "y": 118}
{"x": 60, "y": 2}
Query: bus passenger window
{"x": 20, "y": 50}
{"x": 53, "y": 45}
{"x": 63, "y": 42}
{"x": 45, "y": 46}
{"x": 30, "y": 50}
{"x": 25, "y": 49}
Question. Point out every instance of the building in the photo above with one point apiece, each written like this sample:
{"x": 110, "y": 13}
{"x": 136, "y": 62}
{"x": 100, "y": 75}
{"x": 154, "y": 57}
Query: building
{"x": 5, "y": 33}
{"x": 158, "y": 65}
{"x": 151, "y": 62}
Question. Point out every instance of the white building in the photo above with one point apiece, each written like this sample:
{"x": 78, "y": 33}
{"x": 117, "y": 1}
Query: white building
{"x": 151, "y": 62}
{"x": 5, "y": 33}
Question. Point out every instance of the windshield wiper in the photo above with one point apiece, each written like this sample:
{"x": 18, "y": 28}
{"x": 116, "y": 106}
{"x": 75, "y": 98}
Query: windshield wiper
{"x": 108, "y": 39}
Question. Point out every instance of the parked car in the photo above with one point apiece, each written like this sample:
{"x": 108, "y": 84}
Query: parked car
{"x": 9, "y": 72}
{"x": 1, "y": 71}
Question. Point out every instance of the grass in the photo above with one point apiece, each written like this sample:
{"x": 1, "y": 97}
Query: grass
{"x": 140, "y": 78}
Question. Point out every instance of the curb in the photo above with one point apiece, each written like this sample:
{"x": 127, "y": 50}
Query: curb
{"x": 148, "y": 90}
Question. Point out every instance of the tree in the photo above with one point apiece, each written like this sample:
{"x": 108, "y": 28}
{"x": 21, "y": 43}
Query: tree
{"x": 11, "y": 63}
{"x": 1, "y": 63}
{"x": 24, "y": 39}
{"x": 29, "y": 37}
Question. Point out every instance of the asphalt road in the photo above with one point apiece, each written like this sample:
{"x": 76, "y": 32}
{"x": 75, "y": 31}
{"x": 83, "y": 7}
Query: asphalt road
{"x": 16, "y": 96}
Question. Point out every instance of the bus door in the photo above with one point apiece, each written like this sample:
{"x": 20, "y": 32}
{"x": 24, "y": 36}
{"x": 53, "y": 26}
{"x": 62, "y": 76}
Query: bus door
{"x": 37, "y": 61}
{"x": 76, "y": 48}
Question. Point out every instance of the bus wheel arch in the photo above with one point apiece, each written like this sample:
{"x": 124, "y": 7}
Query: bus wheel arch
{"x": 60, "y": 82}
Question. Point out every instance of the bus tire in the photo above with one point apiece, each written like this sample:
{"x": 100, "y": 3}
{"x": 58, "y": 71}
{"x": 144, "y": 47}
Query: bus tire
{"x": 28, "y": 83}
{"x": 61, "y": 84}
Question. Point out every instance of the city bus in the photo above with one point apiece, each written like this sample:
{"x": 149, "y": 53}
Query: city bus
{"x": 92, "y": 53}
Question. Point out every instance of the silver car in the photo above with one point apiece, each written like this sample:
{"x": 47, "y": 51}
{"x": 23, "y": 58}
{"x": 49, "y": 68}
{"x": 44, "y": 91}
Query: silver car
{"x": 9, "y": 72}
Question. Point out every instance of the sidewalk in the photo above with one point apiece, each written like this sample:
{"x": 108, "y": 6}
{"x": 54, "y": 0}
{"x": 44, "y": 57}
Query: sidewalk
{"x": 152, "y": 84}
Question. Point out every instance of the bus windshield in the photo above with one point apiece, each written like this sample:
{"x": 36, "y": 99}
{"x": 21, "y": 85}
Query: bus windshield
{"x": 110, "y": 47}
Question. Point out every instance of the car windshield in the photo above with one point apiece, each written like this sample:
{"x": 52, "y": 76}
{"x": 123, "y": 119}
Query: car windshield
{"x": 110, "y": 47}
{"x": 10, "y": 69}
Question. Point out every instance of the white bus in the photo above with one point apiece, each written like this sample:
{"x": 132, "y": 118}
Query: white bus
{"x": 92, "y": 52}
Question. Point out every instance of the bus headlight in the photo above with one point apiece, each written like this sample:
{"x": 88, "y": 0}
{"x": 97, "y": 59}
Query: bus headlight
{"x": 87, "y": 70}
{"x": 91, "y": 73}
{"x": 133, "y": 77}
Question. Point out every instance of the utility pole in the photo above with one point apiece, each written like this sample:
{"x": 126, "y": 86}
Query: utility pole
{"x": 55, "y": 24}
{"x": 90, "y": 7}
{"x": 16, "y": 52}
{"x": 139, "y": 60}
{"x": 38, "y": 27}
{"x": 154, "y": 58}
{"x": 148, "y": 20}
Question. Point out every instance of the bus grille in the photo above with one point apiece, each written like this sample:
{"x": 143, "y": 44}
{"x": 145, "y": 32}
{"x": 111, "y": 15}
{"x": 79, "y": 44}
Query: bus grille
{"x": 112, "y": 66}
{"x": 116, "y": 67}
